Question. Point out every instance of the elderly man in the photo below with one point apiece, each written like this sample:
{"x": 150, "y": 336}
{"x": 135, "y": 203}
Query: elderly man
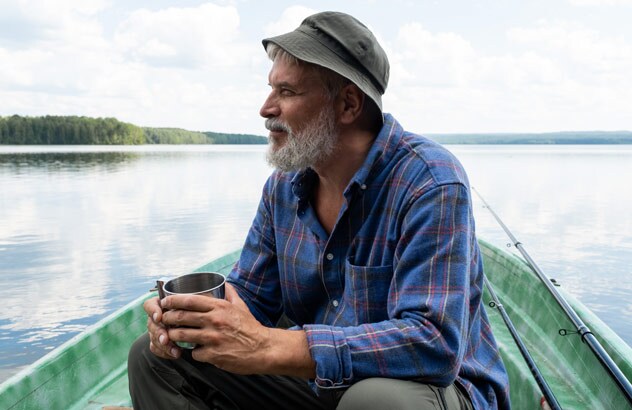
{"x": 364, "y": 239}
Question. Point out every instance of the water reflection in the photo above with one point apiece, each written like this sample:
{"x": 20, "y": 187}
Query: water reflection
{"x": 569, "y": 207}
{"x": 83, "y": 233}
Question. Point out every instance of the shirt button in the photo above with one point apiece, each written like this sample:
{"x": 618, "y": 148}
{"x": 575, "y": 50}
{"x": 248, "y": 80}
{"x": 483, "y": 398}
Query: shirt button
{"x": 330, "y": 256}
{"x": 335, "y": 303}
{"x": 363, "y": 187}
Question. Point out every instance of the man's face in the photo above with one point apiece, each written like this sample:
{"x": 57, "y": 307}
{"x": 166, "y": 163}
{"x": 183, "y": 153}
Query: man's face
{"x": 300, "y": 117}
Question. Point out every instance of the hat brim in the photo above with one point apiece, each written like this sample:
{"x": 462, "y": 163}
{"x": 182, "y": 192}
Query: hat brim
{"x": 306, "y": 48}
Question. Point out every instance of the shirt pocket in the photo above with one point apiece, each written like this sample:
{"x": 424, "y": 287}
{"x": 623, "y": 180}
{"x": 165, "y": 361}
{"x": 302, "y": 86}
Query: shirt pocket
{"x": 366, "y": 291}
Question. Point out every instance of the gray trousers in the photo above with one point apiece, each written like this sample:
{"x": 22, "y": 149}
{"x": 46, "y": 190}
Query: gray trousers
{"x": 155, "y": 383}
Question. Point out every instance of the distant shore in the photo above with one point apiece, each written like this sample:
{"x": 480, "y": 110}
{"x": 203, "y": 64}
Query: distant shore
{"x": 74, "y": 130}
{"x": 560, "y": 138}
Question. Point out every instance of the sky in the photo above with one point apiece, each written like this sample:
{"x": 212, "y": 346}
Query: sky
{"x": 474, "y": 66}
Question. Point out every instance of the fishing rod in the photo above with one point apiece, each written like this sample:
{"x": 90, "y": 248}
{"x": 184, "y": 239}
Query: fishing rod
{"x": 581, "y": 329}
{"x": 544, "y": 387}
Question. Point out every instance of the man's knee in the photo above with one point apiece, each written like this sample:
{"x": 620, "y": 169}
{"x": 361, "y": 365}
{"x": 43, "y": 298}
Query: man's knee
{"x": 139, "y": 356}
{"x": 382, "y": 393}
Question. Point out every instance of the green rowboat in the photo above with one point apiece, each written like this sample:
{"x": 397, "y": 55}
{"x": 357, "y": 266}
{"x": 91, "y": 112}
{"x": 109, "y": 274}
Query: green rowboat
{"x": 90, "y": 370}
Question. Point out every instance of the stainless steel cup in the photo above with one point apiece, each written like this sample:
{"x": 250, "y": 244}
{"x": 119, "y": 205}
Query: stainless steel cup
{"x": 198, "y": 283}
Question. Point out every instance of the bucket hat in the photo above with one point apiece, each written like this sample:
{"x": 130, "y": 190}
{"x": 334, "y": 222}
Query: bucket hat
{"x": 343, "y": 44}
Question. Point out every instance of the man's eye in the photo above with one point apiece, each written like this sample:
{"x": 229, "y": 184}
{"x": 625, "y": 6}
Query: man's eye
{"x": 287, "y": 92}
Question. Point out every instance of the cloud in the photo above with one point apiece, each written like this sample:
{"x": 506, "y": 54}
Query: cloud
{"x": 290, "y": 19}
{"x": 175, "y": 67}
{"x": 600, "y": 2}
{"x": 203, "y": 36}
{"x": 40, "y": 21}
{"x": 425, "y": 58}
{"x": 587, "y": 53}
{"x": 195, "y": 68}
{"x": 551, "y": 76}
{"x": 58, "y": 48}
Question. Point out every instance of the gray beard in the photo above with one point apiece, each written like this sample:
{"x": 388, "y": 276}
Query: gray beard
{"x": 306, "y": 148}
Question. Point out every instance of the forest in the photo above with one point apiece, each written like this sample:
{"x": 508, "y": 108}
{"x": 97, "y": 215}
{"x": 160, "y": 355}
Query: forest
{"x": 75, "y": 130}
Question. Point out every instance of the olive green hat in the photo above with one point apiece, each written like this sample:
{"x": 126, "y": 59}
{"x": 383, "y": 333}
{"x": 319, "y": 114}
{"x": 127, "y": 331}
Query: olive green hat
{"x": 342, "y": 44}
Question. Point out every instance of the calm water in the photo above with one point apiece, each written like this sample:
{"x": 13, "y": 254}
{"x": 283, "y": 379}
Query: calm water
{"x": 85, "y": 230}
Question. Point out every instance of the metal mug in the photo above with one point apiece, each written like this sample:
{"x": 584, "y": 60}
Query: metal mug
{"x": 198, "y": 283}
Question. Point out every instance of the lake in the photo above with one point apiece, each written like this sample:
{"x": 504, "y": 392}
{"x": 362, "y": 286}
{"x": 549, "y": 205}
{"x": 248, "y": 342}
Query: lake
{"x": 85, "y": 230}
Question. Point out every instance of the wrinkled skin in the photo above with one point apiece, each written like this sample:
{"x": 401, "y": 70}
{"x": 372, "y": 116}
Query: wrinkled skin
{"x": 227, "y": 334}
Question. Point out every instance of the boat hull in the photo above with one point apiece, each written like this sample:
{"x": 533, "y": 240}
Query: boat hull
{"x": 570, "y": 368}
{"x": 90, "y": 371}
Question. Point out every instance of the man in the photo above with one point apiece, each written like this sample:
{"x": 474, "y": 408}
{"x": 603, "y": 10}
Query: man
{"x": 364, "y": 239}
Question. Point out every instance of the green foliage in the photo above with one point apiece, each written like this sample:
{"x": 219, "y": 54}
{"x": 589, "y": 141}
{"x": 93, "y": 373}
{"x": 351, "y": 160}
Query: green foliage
{"x": 174, "y": 136}
{"x": 180, "y": 136}
{"x": 73, "y": 130}
{"x": 219, "y": 138}
{"x": 68, "y": 130}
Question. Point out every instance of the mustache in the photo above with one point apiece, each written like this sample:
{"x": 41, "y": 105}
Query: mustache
{"x": 274, "y": 124}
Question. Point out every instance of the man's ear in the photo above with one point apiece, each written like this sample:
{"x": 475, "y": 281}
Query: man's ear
{"x": 350, "y": 103}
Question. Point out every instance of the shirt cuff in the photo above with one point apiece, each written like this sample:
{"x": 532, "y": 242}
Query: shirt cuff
{"x": 329, "y": 349}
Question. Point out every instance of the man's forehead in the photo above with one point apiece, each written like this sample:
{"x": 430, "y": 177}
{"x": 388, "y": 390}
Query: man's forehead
{"x": 283, "y": 71}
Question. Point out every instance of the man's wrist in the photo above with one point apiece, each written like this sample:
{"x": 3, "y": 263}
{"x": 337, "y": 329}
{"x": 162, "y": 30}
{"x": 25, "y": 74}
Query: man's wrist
{"x": 288, "y": 354}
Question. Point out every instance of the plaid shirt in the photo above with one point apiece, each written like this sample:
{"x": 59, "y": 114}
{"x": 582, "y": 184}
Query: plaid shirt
{"x": 395, "y": 289}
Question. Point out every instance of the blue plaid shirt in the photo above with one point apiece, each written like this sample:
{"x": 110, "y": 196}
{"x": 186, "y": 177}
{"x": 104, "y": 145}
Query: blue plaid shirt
{"x": 395, "y": 289}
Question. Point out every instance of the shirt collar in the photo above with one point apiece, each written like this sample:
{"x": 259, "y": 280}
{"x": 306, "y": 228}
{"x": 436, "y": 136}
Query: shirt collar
{"x": 380, "y": 153}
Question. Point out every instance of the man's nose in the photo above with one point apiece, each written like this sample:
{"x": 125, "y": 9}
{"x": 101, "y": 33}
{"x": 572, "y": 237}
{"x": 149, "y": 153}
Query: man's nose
{"x": 269, "y": 108}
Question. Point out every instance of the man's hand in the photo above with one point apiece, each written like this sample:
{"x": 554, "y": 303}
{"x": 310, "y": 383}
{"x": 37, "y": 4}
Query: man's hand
{"x": 159, "y": 342}
{"x": 227, "y": 334}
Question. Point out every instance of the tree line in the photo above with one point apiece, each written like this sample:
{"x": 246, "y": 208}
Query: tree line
{"x": 75, "y": 130}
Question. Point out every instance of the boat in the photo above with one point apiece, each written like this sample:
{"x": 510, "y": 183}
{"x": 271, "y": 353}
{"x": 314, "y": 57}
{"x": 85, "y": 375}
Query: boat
{"x": 90, "y": 370}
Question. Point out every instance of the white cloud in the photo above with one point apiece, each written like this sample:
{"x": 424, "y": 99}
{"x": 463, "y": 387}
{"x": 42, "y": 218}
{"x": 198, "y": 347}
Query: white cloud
{"x": 600, "y": 2}
{"x": 57, "y": 48}
{"x": 42, "y": 21}
{"x": 550, "y": 77}
{"x": 424, "y": 58}
{"x": 207, "y": 35}
{"x": 290, "y": 19}
{"x": 585, "y": 49}
{"x": 175, "y": 67}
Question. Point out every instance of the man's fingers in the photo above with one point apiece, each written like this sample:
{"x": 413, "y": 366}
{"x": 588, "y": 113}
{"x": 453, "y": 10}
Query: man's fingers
{"x": 159, "y": 342}
{"x": 162, "y": 346}
{"x": 189, "y": 335}
{"x": 177, "y": 318}
{"x": 194, "y": 303}
{"x": 153, "y": 309}
{"x": 160, "y": 351}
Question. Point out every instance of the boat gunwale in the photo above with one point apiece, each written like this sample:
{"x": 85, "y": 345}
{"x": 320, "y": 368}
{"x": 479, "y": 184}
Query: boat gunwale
{"x": 564, "y": 372}
{"x": 621, "y": 352}
{"x": 29, "y": 380}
